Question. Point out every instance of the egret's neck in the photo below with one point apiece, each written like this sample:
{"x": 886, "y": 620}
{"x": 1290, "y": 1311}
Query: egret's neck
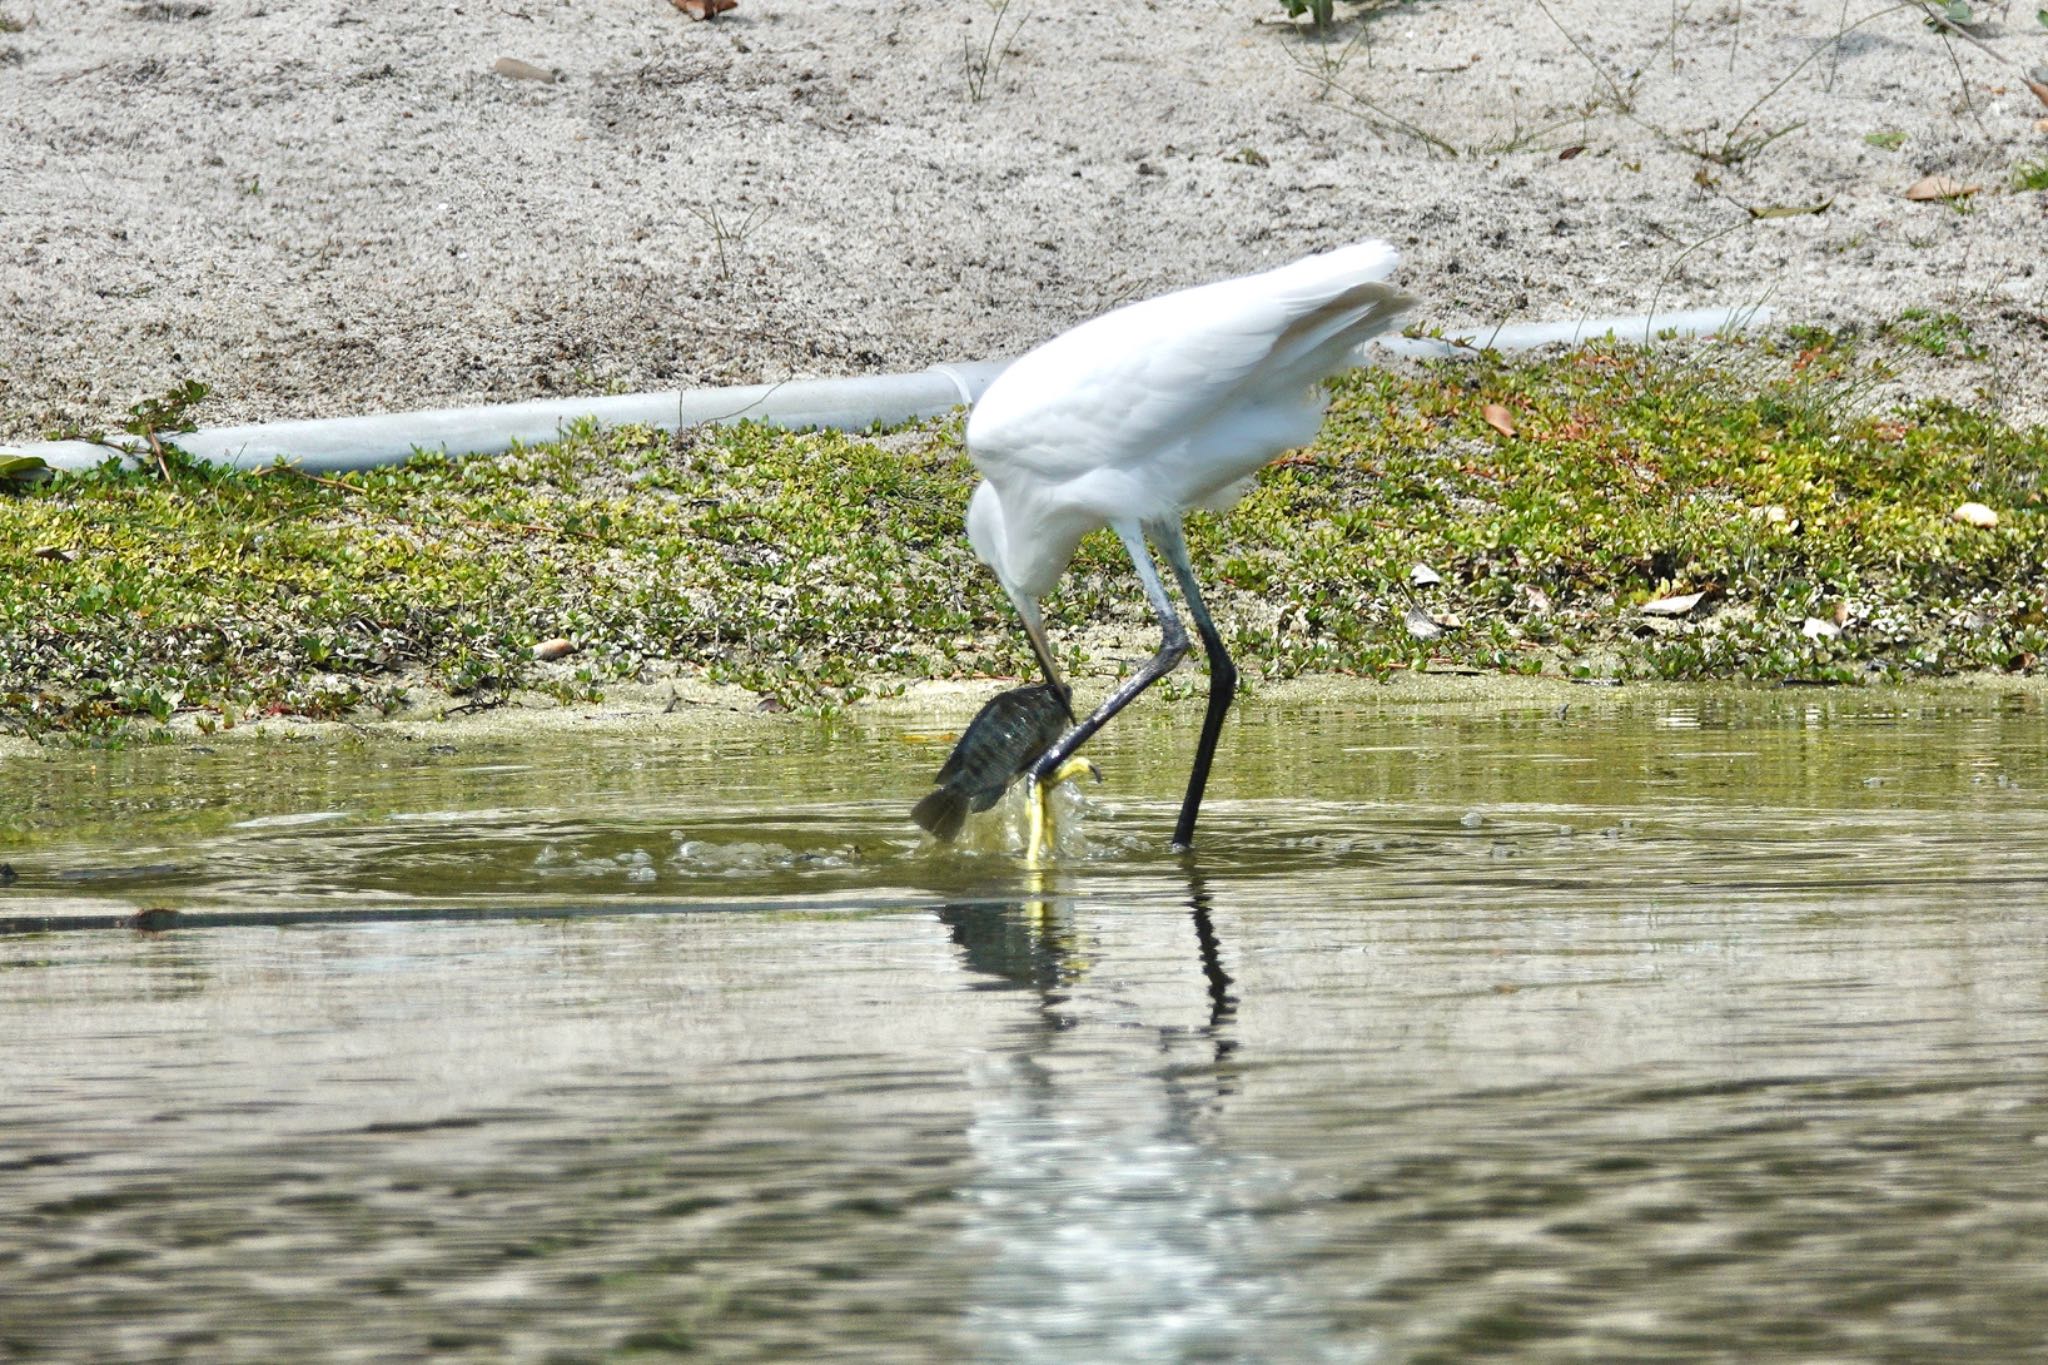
{"x": 985, "y": 530}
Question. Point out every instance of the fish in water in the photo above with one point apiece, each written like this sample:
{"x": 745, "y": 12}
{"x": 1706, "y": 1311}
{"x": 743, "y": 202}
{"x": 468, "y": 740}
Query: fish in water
{"x": 999, "y": 746}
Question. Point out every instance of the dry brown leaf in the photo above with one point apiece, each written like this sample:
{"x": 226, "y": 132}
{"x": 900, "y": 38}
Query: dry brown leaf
{"x": 2040, "y": 93}
{"x": 522, "y": 71}
{"x": 557, "y": 648}
{"x": 1499, "y": 418}
{"x": 1792, "y": 210}
{"x": 704, "y": 9}
{"x": 56, "y": 552}
{"x": 1568, "y": 153}
{"x": 1938, "y": 187}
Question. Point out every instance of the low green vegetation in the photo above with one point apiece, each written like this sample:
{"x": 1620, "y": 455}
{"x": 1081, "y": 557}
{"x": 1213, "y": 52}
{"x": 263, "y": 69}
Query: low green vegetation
{"x": 818, "y": 568}
{"x": 1320, "y": 12}
{"x": 1936, "y": 334}
{"x": 2031, "y": 175}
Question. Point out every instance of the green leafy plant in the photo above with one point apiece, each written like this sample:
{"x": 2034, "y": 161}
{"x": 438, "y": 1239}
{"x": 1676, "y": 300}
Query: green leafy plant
{"x": 2031, "y": 175}
{"x": 1936, "y": 333}
{"x": 168, "y": 412}
{"x": 1321, "y": 12}
{"x": 19, "y": 471}
{"x": 820, "y": 567}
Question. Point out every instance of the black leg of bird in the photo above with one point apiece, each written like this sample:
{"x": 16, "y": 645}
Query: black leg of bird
{"x": 1222, "y": 679}
{"x": 1173, "y": 647}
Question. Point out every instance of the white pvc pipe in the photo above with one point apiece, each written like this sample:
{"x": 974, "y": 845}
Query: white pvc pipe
{"x": 335, "y": 444}
{"x": 1639, "y": 330}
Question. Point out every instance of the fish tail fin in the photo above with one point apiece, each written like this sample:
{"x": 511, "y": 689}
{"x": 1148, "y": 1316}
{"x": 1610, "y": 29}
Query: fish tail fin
{"x": 941, "y": 814}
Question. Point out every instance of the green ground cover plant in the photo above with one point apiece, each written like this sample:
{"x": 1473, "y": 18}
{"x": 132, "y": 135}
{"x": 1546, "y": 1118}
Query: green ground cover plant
{"x": 819, "y": 568}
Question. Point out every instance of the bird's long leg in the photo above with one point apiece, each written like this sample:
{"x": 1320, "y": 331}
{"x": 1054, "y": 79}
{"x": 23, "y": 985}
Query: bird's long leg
{"x": 1222, "y": 677}
{"x": 1173, "y": 646}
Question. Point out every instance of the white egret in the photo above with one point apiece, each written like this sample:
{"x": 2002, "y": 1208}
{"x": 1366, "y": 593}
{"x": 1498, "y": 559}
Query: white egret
{"x": 1131, "y": 419}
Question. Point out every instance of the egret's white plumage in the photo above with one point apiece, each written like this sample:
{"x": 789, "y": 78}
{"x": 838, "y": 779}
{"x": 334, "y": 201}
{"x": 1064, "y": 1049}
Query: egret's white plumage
{"x": 1164, "y": 405}
{"x": 1131, "y": 419}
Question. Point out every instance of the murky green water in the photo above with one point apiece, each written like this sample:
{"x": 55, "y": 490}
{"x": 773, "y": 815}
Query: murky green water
{"x": 1666, "y": 1029}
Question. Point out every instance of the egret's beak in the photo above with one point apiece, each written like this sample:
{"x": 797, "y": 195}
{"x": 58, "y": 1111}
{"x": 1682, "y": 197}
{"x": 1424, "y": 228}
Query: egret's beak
{"x": 1034, "y": 627}
{"x": 1038, "y": 844}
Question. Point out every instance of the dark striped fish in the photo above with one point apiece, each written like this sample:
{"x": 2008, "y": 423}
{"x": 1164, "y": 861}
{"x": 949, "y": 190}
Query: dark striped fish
{"x": 1001, "y": 744}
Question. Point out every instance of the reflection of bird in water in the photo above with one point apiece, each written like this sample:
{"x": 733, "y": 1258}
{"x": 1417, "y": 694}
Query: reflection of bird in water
{"x": 1131, "y": 419}
{"x": 1109, "y": 1213}
{"x": 999, "y": 745}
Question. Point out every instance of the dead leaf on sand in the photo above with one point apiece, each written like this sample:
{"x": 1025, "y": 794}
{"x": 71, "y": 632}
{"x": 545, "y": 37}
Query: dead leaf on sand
{"x": 517, "y": 70}
{"x": 1939, "y": 187}
{"x": 704, "y": 9}
{"x": 1681, "y": 605}
{"x": 1421, "y": 624}
{"x": 1792, "y": 210}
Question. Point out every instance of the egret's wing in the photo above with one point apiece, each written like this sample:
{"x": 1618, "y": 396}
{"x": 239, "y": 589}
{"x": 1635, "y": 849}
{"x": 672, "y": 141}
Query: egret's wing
{"x": 1151, "y": 376}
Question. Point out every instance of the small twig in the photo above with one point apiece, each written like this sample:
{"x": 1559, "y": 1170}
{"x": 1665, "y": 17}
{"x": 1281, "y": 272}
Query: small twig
{"x": 1623, "y": 100}
{"x": 311, "y": 478}
{"x": 1963, "y": 87}
{"x": 1835, "y": 41}
{"x": 1936, "y": 16}
{"x": 71, "y": 76}
{"x": 983, "y": 69}
{"x": 1397, "y": 121}
{"x": 532, "y": 527}
{"x": 1650, "y": 319}
{"x": 156, "y": 451}
{"x": 1835, "y": 65}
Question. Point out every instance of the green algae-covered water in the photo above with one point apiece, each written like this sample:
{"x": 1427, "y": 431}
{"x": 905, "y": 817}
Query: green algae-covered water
{"x": 1647, "y": 1027}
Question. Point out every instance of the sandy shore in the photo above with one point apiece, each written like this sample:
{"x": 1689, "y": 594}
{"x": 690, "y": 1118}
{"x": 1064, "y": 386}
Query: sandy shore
{"x": 688, "y": 707}
{"x": 322, "y": 207}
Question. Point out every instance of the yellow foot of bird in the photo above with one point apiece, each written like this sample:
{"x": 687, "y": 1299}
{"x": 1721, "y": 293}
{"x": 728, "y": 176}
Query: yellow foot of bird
{"x": 1038, "y": 843}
